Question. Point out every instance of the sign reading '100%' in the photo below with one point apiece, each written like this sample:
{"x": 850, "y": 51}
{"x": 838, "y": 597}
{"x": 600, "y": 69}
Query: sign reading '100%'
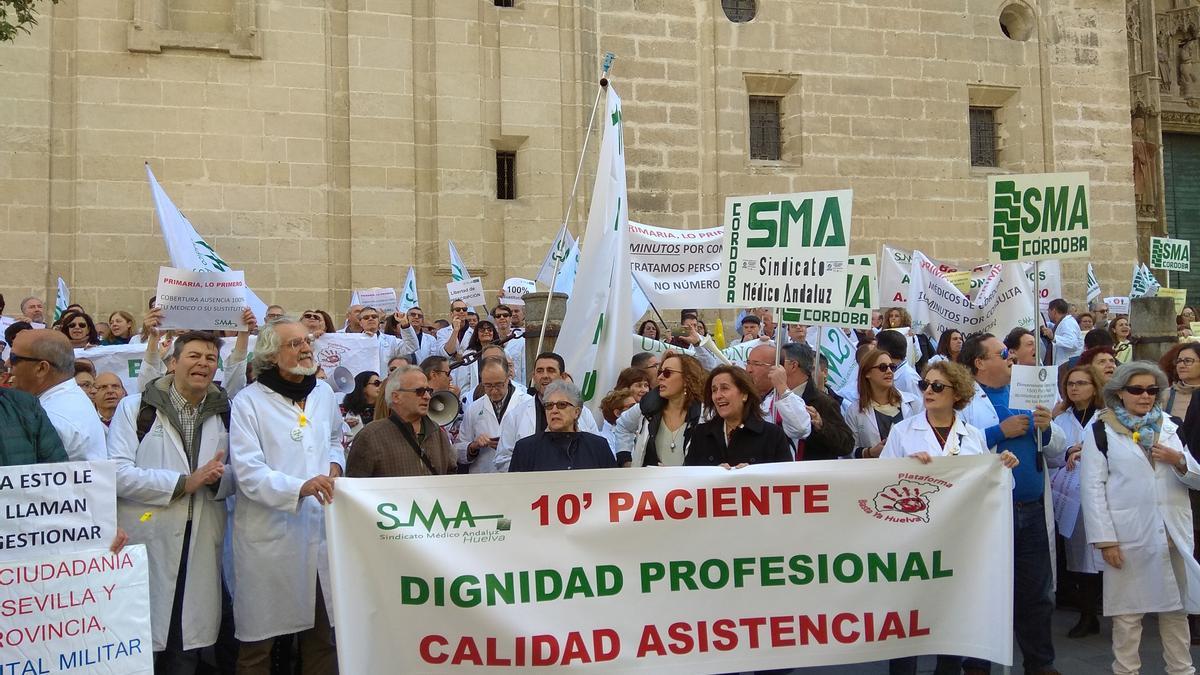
{"x": 787, "y": 251}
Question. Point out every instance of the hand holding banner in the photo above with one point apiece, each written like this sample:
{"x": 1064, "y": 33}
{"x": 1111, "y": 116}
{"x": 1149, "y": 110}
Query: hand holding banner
{"x": 201, "y": 300}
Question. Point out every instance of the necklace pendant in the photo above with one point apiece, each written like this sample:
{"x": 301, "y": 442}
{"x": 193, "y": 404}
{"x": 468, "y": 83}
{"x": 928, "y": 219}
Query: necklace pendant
{"x": 672, "y": 445}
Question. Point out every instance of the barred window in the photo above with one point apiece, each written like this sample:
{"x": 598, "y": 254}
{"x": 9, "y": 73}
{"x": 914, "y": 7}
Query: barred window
{"x": 739, "y": 11}
{"x": 983, "y": 136}
{"x": 506, "y": 175}
{"x": 766, "y": 133}
{"x": 504, "y": 3}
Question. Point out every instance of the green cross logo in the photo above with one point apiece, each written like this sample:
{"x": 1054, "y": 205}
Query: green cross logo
{"x": 1156, "y": 253}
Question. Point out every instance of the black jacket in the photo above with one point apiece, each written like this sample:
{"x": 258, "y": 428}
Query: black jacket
{"x": 559, "y": 451}
{"x": 834, "y": 439}
{"x": 1189, "y": 431}
{"x": 652, "y": 406}
{"x": 754, "y": 442}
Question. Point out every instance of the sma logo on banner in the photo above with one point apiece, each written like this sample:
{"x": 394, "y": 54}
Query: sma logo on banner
{"x": 1039, "y": 216}
{"x": 1173, "y": 255}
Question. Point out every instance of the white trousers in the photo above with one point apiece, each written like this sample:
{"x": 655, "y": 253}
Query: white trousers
{"x": 1176, "y": 643}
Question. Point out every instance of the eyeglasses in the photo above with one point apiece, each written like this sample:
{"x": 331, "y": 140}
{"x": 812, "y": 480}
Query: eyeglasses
{"x": 310, "y": 315}
{"x": 1079, "y": 383}
{"x": 759, "y": 364}
{"x": 1186, "y": 362}
{"x": 666, "y": 373}
{"x": 368, "y": 317}
{"x": 1139, "y": 391}
{"x": 373, "y": 383}
{"x": 886, "y": 367}
{"x": 493, "y": 385}
{"x": 14, "y": 359}
{"x": 937, "y": 387}
{"x": 419, "y": 391}
{"x": 295, "y": 343}
{"x": 557, "y": 405}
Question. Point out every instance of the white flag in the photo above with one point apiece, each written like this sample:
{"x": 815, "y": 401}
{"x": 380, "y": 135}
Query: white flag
{"x": 458, "y": 269}
{"x": 595, "y": 333}
{"x": 1093, "y": 284}
{"x": 186, "y": 248}
{"x": 408, "y": 297}
{"x": 1144, "y": 284}
{"x": 561, "y": 250}
{"x": 63, "y": 300}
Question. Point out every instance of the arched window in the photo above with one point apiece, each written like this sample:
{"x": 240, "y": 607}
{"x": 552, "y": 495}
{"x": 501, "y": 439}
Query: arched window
{"x": 739, "y": 11}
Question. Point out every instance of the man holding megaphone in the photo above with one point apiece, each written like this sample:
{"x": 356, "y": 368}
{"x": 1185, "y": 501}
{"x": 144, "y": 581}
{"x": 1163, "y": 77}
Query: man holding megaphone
{"x": 408, "y": 442}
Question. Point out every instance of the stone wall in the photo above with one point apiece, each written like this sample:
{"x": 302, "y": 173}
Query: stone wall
{"x": 326, "y": 145}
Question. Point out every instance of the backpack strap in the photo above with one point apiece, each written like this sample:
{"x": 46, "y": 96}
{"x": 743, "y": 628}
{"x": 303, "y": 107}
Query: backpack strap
{"x": 145, "y": 419}
{"x": 1101, "y": 436}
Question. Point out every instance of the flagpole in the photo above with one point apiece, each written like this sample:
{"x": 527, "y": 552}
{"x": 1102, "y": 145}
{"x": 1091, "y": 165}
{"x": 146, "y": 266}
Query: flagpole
{"x": 1037, "y": 344}
{"x": 608, "y": 59}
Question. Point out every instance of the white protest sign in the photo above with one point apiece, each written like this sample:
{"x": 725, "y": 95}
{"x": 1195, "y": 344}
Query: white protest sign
{"x": 382, "y": 299}
{"x": 201, "y": 300}
{"x": 344, "y": 355}
{"x": 469, "y": 291}
{"x": 677, "y": 269}
{"x": 56, "y": 508}
{"x": 839, "y": 352}
{"x": 1173, "y": 255}
{"x": 651, "y": 569}
{"x": 1002, "y": 303}
{"x": 856, "y": 304}
{"x": 1050, "y": 280}
{"x": 517, "y": 287}
{"x": 786, "y": 251}
{"x": 1032, "y": 386}
{"x": 1039, "y": 216}
{"x": 1118, "y": 304}
{"x": 84, "y": 613}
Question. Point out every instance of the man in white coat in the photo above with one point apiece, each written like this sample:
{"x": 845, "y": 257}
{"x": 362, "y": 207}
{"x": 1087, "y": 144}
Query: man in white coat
{"x": 779, "y": 404}
{"x": 170, "y": 445}
{"x": 1066, "y": 336}
{"x": 43, "y": 364}
{"x": 529, "y": 417}
{"x": 479, "y": 433}
{"x": 285, "y": 439}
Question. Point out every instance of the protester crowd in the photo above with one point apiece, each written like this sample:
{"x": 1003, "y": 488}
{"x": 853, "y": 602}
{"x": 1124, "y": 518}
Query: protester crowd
{"x": 225, "y": 484}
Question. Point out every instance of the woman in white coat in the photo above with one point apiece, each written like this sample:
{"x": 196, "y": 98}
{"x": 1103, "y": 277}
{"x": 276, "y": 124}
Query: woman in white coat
{"x": 285, "y": 441}
{"x": 166, "y": 499}
{"x": 879, "y": 406}
{"x": 939, "y": 432}
{"x": 1080, "y": 391}
{"x": 1137, "y": 511}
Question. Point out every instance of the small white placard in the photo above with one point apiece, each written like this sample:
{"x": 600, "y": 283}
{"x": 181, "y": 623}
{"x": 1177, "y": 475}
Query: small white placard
{"x": 469, "y": 291}
{"x": 1033, "y": 386}
{"x": 382, "y": 299}
{"x": 201, "y": 300}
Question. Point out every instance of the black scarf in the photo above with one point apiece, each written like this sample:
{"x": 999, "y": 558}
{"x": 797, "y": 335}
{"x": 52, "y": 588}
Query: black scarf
{"x": 293, "y": 391}
{"x": 538, "y": 411}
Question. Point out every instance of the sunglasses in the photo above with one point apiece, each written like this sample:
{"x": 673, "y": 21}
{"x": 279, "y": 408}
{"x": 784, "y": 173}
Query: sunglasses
{"x": 1138, "y": 391}
{"x": 886, "y": 367}
{"x": 310, "y": 315}
{"x": 937, "y": 387}
{"x": 78, "y": 325}
{"x": 666, "y": 373}
{"x": 557, "y": 405}
{"x": 419, "y": 391}
{"x": 415, "y": 316}
{"x": 14, "y": 359}
{"x": 373, "y": 383}
{"x": 501, "y": 316}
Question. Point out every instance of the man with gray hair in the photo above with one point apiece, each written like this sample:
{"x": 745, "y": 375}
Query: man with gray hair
{"x": 1099, "y": 310}
{"x": 830, "y": 437}
{"x": 562, "y": 446}
{"x": 407, "y": 442}
{"x": 285, "y": 441}
{"x": 43, "y": 364}
{"x": 34, "y": 310}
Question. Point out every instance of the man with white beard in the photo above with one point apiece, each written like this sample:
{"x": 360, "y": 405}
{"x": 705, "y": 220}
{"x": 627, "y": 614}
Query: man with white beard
{"x": 285, "y": 444}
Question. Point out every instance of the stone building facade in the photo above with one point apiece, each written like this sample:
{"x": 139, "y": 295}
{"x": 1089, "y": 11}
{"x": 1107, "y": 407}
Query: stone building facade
{"x": 323, "y": 145}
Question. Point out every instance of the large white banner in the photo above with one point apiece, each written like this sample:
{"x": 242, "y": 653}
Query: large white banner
{"x": 895, "y": 269}
{"x": 680, "y": 570}
{"x": 85, "y": 613}
{"x": 47, "y": 509}
{"x": 678, "y": 269}
{"x": 1005, "y": 301}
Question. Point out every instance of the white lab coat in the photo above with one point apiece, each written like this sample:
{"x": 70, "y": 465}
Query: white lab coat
{"x": 906, "y": 379}
{"x": 1081, "y": 556}
{"x": 1068, "y": 340}
{"x": 914, "y": 434}
{"x": 279, "y": 539}
{"x": 420, "y": 346}
{"x": 480, "y": 419}
{"x": 1145, "y": 509}
{"x": 390, "y": 347}
{"x": 147, "y": 474}
{"x": 515, "y": 349}
{"x": 865, "y": 425}
{"x": 521, "y": 421}
{"x": 790, "y": 413}
{"x": 75, "y": 418}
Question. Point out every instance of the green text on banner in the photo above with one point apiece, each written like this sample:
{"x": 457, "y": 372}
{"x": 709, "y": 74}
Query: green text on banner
{"x": 786, "y": 251}
{"x": 678, "y": 570}
{"x": 1173, "y": 255}
{"x": 1039, "y": 216}
{"x": 860, "y": 298}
